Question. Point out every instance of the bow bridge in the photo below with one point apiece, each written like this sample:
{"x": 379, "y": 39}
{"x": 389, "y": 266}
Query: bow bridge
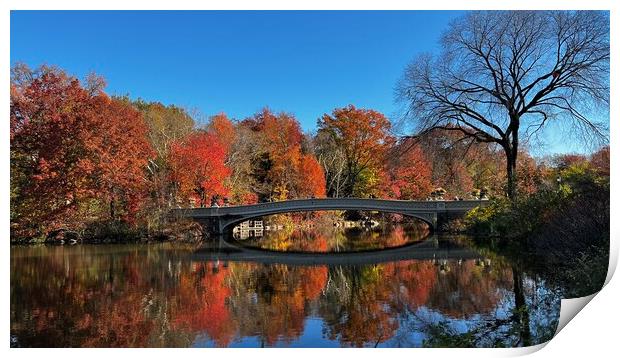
{"x": 434, "y": 213}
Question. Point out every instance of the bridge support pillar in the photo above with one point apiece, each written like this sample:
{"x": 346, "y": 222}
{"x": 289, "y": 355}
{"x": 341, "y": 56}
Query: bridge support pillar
{"x": 444, "y": 218}
{"x": 214, "y": 227}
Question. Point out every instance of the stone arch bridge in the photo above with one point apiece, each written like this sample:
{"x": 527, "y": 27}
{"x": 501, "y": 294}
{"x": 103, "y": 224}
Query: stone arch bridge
{"x": 434, "y": 213}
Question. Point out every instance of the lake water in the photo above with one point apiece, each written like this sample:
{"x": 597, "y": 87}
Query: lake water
{"x": 331, "y": 240}
{"x": 434, "y": 292}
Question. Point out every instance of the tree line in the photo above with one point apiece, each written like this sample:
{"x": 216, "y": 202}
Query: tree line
{"x": 81, "y": 157}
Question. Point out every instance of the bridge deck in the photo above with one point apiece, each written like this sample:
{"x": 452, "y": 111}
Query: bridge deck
{"x": 332, "y": 204}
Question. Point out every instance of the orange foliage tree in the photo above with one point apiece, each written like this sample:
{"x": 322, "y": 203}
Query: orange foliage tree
{"x": 119, "y": 157}
{"x": 312, "y": 178}
{"x": 283, "y": 171}
{"x": 363, "y": 135}
{"x": 282, "y": 137}
{"x": 223, "y": 129}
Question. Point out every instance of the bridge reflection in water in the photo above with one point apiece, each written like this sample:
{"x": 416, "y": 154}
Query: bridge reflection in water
{"x": 430, "y": 249}
{"x": 248, "y": 230}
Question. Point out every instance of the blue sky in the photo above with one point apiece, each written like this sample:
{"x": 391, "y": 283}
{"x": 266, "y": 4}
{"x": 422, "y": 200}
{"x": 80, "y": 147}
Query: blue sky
{"x": 305, "y": 63}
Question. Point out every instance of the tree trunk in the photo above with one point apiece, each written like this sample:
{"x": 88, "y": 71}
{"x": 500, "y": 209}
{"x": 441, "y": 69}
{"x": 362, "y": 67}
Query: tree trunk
{"x": 521, "y": 315}
{"x": 350, "y": 182}
{"x": 112, "y": 214}
{"x": 511, "y": 150}
{"x": 511, "y": 147}
{"x": 511, "y": 175}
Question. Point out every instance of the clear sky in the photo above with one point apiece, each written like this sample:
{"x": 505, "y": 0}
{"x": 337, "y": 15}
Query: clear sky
{"x": 305, "y": 63}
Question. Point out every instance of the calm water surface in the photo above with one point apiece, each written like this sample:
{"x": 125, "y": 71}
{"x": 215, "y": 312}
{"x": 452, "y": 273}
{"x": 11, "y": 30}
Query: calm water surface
{"x": 335, "y": 240}
{"x": 168, "y": 295}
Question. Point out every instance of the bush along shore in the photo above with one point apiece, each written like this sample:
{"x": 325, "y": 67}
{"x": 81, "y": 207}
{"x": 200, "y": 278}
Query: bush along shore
{"x": 119, "y": 232}
{"x": 560, "y": 231}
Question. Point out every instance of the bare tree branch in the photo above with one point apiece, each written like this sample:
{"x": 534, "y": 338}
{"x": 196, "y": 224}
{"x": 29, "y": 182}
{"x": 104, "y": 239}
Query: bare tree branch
{"x": 503, "y": 75}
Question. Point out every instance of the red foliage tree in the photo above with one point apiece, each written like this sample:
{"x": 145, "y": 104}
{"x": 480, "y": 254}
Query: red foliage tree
{"x": 198, "y": 168}
{"x": 600, "y": 160}
{"x": 410, "y": 175}
{"x": 118, "y": 158}
{"x": 72, "y": 149}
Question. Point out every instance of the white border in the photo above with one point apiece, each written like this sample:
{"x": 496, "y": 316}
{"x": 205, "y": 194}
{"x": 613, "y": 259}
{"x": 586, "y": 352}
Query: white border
{"x": 593, "y": 331}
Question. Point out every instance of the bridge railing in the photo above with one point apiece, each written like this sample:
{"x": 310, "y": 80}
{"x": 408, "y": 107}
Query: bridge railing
{"x": 333, "y": 204}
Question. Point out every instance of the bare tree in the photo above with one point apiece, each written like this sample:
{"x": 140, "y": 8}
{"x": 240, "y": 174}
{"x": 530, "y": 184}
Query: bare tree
{"x": 242, "y": 158}
{"x": 502, "y": 75}
{"x": 333, "y": 160}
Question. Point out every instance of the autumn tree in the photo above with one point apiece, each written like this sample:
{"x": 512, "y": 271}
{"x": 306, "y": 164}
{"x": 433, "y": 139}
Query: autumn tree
{"x": 242, "y": 159}
{"x": 166, "y": 125}
{"x": 198, "y": 168}
{"x": 529, "y": 173}
{"x": 332, "y": 159}
{"x": 563, "y": 161}
{"x": 223, "y": 129}
{"x": 447, "y": 157}
{"x": 311, "y": 183}
{"x": 242, "y": 154}
{"x": 600, "y": 160}
{"x": 502, "y": 76}
{"x": 485, "y": 165}
{"x": 363, "y": 136}
{"x": 282, "y": 138}
{"x": 409, "y": 172}
{"x": 77, "y": 155}
{"x": 118, "y": 156}
{"x": 281, "y": 169}
{"x": 463, "y": 166}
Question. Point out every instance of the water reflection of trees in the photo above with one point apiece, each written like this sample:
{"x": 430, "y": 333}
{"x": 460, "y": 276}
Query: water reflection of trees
{"x": 468, "y": 288}
{"x": 331, "y": 239}
{"x": 271, "y": 302}
{"x": 126, "y": 299}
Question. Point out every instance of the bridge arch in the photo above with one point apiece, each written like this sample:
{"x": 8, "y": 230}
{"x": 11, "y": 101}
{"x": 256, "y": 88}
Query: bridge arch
{"x": 227, "y": 224}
